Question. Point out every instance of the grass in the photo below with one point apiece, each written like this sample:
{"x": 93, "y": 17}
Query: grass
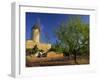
{"x": 32, "y": 61}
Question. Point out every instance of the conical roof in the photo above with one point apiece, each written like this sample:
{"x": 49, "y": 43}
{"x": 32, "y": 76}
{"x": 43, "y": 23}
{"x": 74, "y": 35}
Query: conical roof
{"x": 36, "y": 26}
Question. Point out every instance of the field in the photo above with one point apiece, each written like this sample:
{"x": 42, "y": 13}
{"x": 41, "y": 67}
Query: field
{"x": 32, "y": 61}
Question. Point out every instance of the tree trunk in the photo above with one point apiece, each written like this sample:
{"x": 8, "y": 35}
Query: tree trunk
{"x": 69, "y": 56}
{"x": 75, "y": 58}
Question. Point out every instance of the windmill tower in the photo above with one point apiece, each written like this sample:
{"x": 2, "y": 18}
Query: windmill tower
{"x": 35, "y": 39}
{"x": 36, "y": 33}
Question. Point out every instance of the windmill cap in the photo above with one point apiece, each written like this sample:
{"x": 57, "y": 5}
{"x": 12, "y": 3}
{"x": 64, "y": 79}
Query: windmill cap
{"x": 36, "y": 26}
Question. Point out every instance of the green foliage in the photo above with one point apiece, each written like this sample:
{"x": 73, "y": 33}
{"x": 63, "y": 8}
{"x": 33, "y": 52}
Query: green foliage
{"x": 73, "y": 36}
{"x": 33, "y": 50}
{"x": 29, "y": 51}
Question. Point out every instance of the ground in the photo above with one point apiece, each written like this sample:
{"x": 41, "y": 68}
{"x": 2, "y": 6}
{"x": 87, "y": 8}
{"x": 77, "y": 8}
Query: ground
{"x": 52, "y": 60}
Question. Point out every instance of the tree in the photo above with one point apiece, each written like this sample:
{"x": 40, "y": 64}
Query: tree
{"x": 32, "y": 50}
{"x": 73, "y": 37}
{"x": 35, "y": 49}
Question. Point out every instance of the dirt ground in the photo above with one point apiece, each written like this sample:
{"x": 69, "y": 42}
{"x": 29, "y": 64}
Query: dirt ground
{"x": 32, "y": 61}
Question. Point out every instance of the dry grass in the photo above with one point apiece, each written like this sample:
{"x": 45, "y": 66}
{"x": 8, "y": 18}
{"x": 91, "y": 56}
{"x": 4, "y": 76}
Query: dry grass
{"x": 54, "y": 59}
{"x": 54, "y": 55}
{"x": 32, "y": 61}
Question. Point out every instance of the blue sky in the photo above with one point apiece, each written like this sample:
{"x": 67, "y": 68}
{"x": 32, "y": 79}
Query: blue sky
{"x": 49, "y": 22}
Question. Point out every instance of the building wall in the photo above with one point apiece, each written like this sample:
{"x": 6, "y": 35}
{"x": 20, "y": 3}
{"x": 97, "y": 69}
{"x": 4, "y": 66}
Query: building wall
{"x": 36, "y": 41}
{"x": 36, "y": 35}
{"x": 43, "y": 46}
{"x": 29, "y": 44}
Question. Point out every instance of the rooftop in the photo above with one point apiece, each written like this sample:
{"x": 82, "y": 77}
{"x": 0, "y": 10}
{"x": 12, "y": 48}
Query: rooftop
{"x": 36, "y": 26}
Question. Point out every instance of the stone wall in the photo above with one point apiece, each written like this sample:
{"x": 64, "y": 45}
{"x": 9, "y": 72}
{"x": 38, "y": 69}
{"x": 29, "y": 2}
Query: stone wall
{"x": 43, "y": 46}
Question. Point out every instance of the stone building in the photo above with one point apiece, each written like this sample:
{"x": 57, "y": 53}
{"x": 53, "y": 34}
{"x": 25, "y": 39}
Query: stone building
{"x": 35, "y": 39}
